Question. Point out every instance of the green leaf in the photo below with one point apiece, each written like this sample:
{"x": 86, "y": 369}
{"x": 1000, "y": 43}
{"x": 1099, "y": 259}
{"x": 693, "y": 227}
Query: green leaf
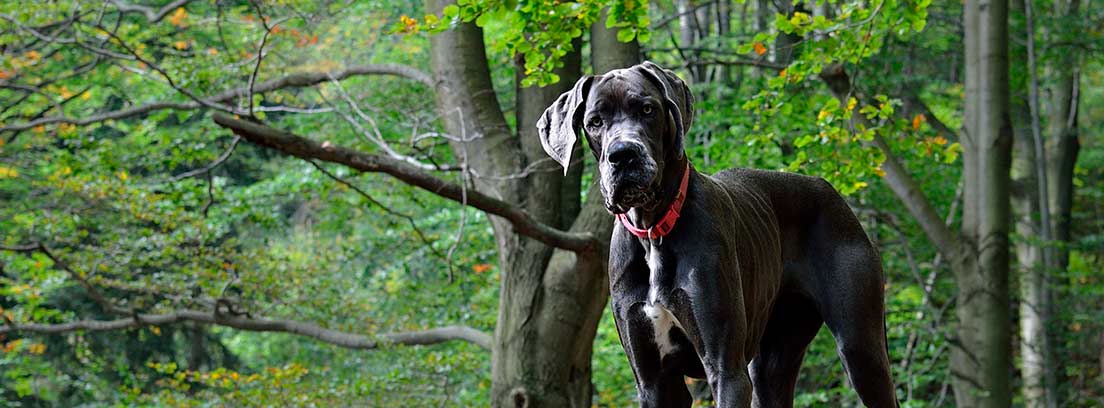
{"x": 625, "y": 35}
{"x": 450, "y": 11}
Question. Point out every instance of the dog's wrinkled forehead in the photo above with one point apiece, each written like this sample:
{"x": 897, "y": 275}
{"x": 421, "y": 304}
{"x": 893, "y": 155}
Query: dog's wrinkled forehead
{"x": 620, "y": 86}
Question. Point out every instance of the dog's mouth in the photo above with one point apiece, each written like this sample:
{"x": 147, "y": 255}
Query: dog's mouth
{"x": 625, "y": 199}
{"x": 625, "y": 190}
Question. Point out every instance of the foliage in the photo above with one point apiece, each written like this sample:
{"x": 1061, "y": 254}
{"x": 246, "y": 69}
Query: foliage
{"x": 126, "y": 206}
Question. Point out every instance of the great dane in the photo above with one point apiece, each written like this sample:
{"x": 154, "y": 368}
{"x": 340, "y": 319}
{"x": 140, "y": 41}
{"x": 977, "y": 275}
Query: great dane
{"x": 728, "y": 276}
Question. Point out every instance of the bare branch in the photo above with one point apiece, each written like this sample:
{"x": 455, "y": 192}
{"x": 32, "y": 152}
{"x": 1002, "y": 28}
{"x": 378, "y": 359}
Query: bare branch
{"x": 735, "y": 62}
{"x": 164, "y": 74}
{"x": 260, "y": 53}
{"x": 667, "y": 20}
{"x": 300, "y": 80}
{"x": 207, "y": 169}
{"x": 304, "y": 148}
{"x": 376, "y": 137}
{"x": 410, "y": 220}
{"x": 152, "y": 15}
{"x": 335, "y": 337}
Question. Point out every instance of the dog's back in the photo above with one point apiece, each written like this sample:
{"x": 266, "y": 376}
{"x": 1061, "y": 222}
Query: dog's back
{"x": 831, "y": 273}
{"x": 807, "y": 209}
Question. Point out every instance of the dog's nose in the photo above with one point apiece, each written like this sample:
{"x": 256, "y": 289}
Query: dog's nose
{"x": 621, "y": 152}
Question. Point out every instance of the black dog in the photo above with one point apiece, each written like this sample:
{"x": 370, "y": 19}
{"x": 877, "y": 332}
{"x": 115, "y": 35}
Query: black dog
{"x": 711, "y": 273}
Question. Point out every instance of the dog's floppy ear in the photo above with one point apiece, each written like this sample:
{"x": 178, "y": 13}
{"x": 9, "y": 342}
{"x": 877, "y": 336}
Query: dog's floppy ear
{"x": 558, "y": 126}
{"x": 677, "y": 96}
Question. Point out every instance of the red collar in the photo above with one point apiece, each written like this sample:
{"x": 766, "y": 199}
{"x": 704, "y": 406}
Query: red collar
{"x": 667, "y": 223}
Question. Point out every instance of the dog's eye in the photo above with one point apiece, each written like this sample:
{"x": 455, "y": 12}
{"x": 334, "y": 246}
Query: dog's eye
{"x": 647, "y": 109}
{"x": 595, "y": 122}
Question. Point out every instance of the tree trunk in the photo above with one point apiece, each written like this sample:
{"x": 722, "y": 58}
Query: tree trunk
{"x": 1063, "y": 144}
{"x": 1035, "y": 349}
{"x": 763, "y": 18}
{"x": 1038, "y": 332}
{"x": 981, "y": 360}
{"x": 1054, "y": 166}
{"x": 1062, "y": 149}
{"x": 606, "y": 53}
{"x": 198, "y": 358}
{"x": 550, "y": 300}
{"x": 784, "y": 43}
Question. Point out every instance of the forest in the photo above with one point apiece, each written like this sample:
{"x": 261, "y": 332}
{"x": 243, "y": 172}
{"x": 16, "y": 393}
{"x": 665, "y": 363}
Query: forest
{"x": 346, "y": 203}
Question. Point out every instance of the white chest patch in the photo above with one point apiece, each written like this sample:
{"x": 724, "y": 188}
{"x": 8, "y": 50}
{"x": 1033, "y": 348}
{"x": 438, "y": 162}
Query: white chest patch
{"x": 662, "y": 319}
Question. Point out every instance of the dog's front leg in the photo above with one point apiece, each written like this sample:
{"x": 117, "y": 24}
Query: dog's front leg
{"x": 731, "y": 384}
{"x": 721, "y": 354}
{"x": 659, "y": 383}
{"x": 712, "y": 312}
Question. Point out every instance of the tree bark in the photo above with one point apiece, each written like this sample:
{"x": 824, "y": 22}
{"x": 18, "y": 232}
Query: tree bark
{"x": 606, "y": 53}
{"x": 1063, "y": 146}
{"x": 784, "y": 43}
{"x": 1063, "y": 136}
{"x": 1036, "y": 252}
{"x": 1033, "y": 301}
{"x": 550, "y": 300}
{"x": 981, "y": 358}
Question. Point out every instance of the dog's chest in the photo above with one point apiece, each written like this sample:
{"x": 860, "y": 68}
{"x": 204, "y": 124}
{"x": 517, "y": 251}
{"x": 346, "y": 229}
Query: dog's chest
{"x": 660, "y": 317}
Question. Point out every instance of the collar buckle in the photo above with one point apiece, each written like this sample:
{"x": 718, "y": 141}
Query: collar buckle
{"x": 665, "y": 224}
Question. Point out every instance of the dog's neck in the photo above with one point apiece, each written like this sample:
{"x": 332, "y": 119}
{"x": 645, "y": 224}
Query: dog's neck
{"x": 649, "y": 214}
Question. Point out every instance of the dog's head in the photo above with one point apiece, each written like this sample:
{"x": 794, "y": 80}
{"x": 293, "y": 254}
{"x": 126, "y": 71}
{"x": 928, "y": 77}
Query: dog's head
{"x": 634, "y": 121}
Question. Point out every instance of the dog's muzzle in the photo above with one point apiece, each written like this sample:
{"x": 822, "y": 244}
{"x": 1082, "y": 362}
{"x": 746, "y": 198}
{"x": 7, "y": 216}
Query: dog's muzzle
{"x": 627, "y": 173}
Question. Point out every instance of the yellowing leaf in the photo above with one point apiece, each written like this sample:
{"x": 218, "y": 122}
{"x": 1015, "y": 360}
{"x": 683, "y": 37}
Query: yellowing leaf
{"x": 180, "y": 45}
{"x": 917, "y": 121}
{"x": 123, "y": 175}
{"x": 480, "y": 268}
{"x": 940, "y": 140}
{"x": 37, "y": 348}
{"x": 32, "y": 55}
{"x": 155, "y": 330}
{"x": 410, "y": 23}
{"x": 879, "y": 172}
{"x": 8, "y": 172}
{"x": 212, "y": 51}
{"x": 851, "y": 104}
{"x": 179, "y": 17}
{"x": 760, "y": 49}
{"x": 823, "y": 114}
{"x": 799, "y": 18}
